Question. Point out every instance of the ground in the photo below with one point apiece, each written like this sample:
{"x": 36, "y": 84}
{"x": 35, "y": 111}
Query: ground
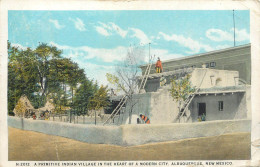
{"x": 34, "y": 146}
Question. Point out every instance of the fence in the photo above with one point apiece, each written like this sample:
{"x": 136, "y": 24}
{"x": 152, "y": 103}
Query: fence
{"x": 83, "y": 119}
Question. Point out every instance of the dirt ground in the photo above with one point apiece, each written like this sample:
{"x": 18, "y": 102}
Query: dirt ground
{"x": 34, "y": 146}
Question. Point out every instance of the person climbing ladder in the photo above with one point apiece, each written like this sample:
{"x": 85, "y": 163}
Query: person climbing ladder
{"x": 158, "y": 66}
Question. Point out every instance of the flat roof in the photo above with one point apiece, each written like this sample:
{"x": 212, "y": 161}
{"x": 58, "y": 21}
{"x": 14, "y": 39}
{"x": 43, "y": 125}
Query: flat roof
{"x": 206, "y": 53}
{"x": 220, "y": 90}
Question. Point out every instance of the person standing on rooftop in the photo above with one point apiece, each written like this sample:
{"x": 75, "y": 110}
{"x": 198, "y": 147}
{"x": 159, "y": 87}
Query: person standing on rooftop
{"x": 158, "y": 66}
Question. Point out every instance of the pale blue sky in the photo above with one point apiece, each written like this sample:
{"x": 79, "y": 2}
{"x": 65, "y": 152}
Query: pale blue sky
{"x": 97, "y": 40}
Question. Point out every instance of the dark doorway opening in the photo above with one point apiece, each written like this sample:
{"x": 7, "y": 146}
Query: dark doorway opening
{"x": 202, "y": 108}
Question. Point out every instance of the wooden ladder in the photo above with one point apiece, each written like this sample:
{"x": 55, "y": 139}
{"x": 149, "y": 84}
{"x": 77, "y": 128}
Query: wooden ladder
{"x": 189, "y": 100}
{"x": 117, "y": 109}
{"x": 146, "y": 74}
{"x": 124, "y": 99}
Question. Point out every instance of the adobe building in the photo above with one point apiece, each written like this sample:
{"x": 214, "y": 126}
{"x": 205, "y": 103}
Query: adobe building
{"x": 223, "y": 78}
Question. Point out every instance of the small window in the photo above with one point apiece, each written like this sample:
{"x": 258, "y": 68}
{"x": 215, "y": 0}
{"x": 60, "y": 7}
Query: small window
{"x": 207, "y": 65}
{"x": 220, "y": 105}
{"x": 212, "y": 64}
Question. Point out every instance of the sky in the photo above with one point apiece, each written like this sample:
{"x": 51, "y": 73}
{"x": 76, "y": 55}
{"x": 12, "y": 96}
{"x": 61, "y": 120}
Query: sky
{"x": 99, "y": 40}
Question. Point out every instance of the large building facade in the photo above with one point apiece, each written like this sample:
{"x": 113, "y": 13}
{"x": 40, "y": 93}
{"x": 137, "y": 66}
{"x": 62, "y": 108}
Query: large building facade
{"x": 233, "y": 59}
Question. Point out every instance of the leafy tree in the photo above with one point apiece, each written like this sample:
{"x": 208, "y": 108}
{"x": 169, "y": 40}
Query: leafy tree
{"x": 100, "y": 99}
{"x": 40, "y": 73}
{"x": 115, "y": 82}
{"x": 181, "y": 89}
{"x": 82, "y": 96}
{"x": 22, "y": 75}
{"x": 43, "y": 54}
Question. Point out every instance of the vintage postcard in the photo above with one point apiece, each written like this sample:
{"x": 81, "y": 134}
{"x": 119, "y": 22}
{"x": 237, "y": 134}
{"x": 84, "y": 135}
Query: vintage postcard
{"x": 129, "y": 83}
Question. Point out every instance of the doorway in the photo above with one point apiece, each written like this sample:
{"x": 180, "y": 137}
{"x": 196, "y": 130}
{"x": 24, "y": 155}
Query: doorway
{"x": 202, "y": 108}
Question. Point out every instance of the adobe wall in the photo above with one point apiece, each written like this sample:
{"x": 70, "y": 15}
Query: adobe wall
{"x": 213, "y": 77}
{"x": 141, "y": 105}
{"x": 234, "y": 106}
{"x": 164, "y": 110}
{"x": 142, "y": 134}
{"x": 128, "y": 135}
{"x": 81, "y": 132}
{"x": 158, "y": 106}
{"x": 248, "y": 104}
{"x": 221, "y": 78}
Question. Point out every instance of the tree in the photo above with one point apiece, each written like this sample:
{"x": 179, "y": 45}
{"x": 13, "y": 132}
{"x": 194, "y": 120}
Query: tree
{"x": 43, "y": 55}
{"x": 42, "y": 72}
{"x": 125, "y": 78}
{"x": 82, "y": 96}
{"x": 99, "y": 100}
{"x": 22, "y": 75}
{"x": 181, "y": 89}
{"x": 114, "y": 81}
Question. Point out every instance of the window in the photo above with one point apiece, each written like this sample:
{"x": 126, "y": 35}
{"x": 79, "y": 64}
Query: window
{"x": 207, "y": 65}
{"x": 220, "y": 105}
{"x": 212, "y": 64}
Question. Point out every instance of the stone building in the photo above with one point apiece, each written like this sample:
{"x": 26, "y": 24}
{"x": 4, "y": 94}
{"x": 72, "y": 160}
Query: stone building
{"x": 223, "y": 78}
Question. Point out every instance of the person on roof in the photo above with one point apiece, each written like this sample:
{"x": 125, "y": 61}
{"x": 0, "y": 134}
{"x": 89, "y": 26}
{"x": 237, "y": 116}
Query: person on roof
{"x": 158, "y": 66}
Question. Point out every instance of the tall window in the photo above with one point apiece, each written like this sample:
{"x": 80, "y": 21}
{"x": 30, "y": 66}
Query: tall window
{"x": 220, "y": 105}
{"x": 207, "y": 65}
